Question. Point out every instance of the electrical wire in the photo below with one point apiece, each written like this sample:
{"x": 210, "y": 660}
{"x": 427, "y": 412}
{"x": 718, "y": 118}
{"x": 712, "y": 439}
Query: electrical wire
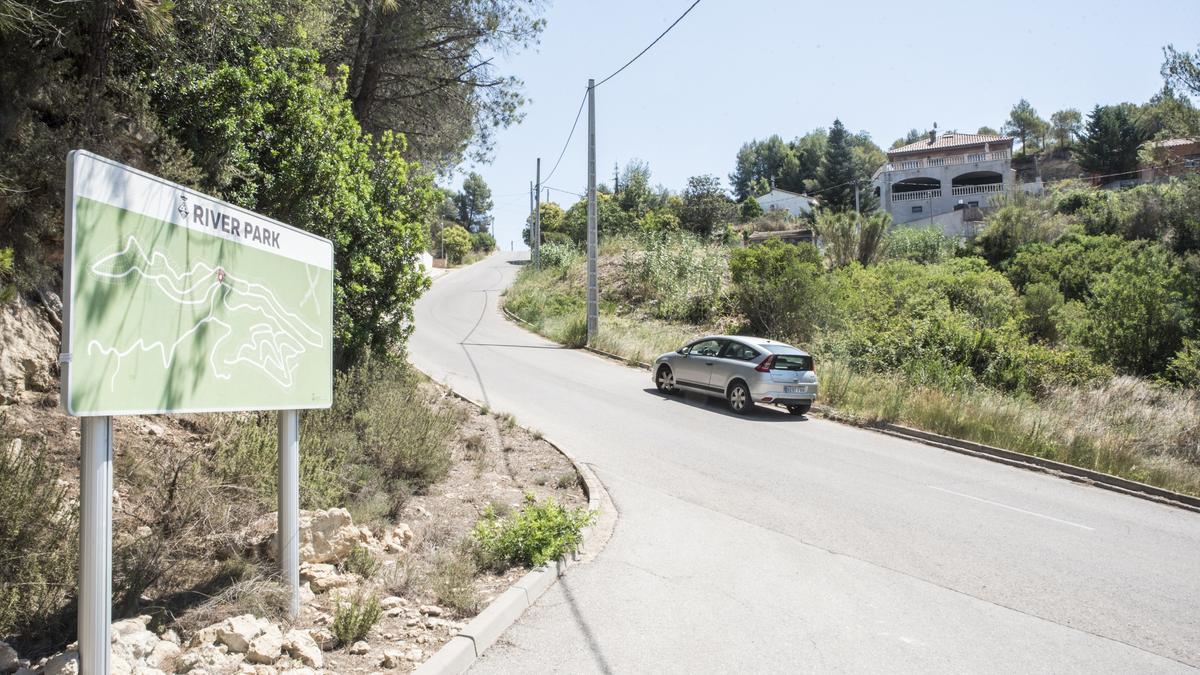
{"x": 639, "y": 54}
{"x": 570, "y": 135}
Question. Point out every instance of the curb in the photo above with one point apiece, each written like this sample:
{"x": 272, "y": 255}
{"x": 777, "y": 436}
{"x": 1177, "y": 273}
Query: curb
{"x": 461, "y": 652}
{"x": 1020, "y": 460}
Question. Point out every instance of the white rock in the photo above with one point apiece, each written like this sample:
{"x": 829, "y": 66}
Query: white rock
{"x": 65, "y": 663}
{"x": 301, "y": 645}
{"x": 397, "y": 539}
{"x": 155, "y": 430}
{"x": 208, "y": 658}
{"x": 329, "y": 535}
{"x": 323, "y": 577}
{"x": 415, "y": 655}
{"x": 431, "y": 610}
{"x": 266, "y": 646}
{"x": 359, "y": 648}
{"x": 164, "y": 654}
{"x": 391, "y": 659}
{"x": 324, "y": 638}
{"x": 171, "y": 636}
{"x": 306, "y": 594}
{"x": 8, "y": 658}
{"x": 390, "y": 602}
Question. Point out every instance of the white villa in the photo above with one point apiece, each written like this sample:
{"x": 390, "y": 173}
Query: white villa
{"x": 943, "y": 174}
{"x": 793, "y": 202}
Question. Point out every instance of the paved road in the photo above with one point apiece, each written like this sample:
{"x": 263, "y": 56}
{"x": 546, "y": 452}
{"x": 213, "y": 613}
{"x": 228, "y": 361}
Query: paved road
{"x": 780, "y": 544}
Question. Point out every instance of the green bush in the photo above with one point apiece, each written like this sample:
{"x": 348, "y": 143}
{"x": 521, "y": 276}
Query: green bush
{"x": 354, "y": 618}
{"x": 539, "y": 532}
{"x": 38, "y": 544}
{"x": 560, "y": 256}
{"x": 457, "y": 243}
{"x": 925, "y": 245}
{"x": 361, "y": 562}
{"x": 780, "y": 289}
{"x": 1137, "y": 313}
{"x": 675, "y": 275}
{"x": 483, "y": 241}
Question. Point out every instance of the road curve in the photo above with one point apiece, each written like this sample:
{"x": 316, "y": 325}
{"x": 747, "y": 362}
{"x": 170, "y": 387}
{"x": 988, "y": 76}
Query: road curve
{"x": 778, "y": 544}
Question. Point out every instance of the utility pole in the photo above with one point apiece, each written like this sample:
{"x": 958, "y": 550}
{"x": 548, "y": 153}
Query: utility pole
{"x": 592, "y": 299}
{"x": 857, "y": 212}
{"x": 537, "y": 219}
{"x": 616, "y": 179}
{"x": 531, "y": 221}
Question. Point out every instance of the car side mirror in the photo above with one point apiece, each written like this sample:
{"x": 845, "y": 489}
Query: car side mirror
{"x": 682, "y": 350}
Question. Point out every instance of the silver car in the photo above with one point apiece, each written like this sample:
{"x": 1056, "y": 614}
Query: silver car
{"x": 744, "y": 370}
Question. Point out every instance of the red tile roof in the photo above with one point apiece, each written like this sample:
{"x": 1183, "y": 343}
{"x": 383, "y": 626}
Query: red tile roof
{"x": 949, "y": 139}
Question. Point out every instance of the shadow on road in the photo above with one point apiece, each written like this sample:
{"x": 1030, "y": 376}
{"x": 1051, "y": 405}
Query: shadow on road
{"x": 762, "y": 412}
{"x": 602, "y": 664}
{"x": 518, "y": 262}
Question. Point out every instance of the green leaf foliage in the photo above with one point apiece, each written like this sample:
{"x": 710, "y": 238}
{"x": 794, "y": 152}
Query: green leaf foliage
{"x": 540, "y": 532}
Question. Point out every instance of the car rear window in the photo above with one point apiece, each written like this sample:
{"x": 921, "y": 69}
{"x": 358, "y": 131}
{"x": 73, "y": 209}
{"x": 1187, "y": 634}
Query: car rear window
{"x": 792, "y": 362}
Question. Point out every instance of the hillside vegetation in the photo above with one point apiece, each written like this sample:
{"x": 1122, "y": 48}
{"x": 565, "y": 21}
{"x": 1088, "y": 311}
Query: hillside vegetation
{"x": 1069, "y": 329}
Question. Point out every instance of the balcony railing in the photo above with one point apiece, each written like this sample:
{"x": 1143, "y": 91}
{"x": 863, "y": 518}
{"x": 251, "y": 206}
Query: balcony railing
{"x": 916, "y": 195}
{"x": 907, "y": 164}
{"x": 977, "y": 189}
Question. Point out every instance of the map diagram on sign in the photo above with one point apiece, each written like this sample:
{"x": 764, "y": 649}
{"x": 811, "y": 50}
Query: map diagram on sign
{"x": 177, "y": 302}
{"x": 253, "y": 328}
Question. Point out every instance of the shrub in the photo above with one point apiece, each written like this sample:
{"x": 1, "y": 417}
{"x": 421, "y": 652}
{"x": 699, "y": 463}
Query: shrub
{"x": 483, "y": 241}
{"x": 541, "y": 531}
{"x": 361, "y": 562}
{"x": 453, "y": 582}
{"x": 38, "y": 544}
{"x": 457, "y": 243}
{"x": 780, "y": 288}
{"x": 675, "y": 276}
{"x": 354, "y": 618}
{"x": 925, "y": 245}
{"x": 1016, "y": 221}
{"x": 1136, "y": 313}
{"x": 561, "y": 256}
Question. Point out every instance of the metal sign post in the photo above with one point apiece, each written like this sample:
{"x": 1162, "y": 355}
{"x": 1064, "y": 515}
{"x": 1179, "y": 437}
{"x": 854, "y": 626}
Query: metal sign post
{"x": 289, "y": 505}
{"x": 95, "y": 543}
{"x": 250, "y": 307}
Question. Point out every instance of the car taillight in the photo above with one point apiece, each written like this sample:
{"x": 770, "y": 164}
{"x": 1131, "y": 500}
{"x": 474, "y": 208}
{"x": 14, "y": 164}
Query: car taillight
{"x": 765, "y": 366}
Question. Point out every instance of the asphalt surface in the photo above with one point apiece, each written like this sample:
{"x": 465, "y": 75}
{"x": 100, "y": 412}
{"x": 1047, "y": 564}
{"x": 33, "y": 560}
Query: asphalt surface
{"x": 772, "y": 543}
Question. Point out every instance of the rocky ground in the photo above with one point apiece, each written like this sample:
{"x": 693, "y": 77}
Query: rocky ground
{"x": 423, "y": 582}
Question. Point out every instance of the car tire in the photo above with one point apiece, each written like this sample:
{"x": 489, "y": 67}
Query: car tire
{"x": 664, "y": 380}
{"x": 799, "y": 410}
{"x": 739, "y": 398}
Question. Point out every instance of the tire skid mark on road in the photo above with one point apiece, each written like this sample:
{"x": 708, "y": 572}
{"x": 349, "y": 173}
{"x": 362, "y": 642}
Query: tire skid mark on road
{"x": 1011, "y": 508}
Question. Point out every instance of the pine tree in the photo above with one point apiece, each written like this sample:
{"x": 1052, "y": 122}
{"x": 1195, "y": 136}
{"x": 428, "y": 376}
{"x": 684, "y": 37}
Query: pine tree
{"x": 837, "y": 175}
{"x": 1110, "y": 142}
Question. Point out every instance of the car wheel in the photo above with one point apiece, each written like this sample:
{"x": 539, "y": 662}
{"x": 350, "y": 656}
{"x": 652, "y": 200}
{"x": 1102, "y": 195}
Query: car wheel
{"x": 665, "y": 380}
{"x": 739, "y": 398}
{"x": 799, "y": 409}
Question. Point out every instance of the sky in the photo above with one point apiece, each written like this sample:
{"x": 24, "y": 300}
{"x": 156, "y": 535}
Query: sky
{"x": 733, "y": 71}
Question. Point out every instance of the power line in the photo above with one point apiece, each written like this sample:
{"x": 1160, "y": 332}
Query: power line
{"x": 569, "y": 135}
{"x": 639, "y": 54}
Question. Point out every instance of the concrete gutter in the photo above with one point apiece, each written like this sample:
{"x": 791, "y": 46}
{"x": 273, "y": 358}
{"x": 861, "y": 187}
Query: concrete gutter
{"x": 461, "y": 652}
{"x": 1012, "y": 458}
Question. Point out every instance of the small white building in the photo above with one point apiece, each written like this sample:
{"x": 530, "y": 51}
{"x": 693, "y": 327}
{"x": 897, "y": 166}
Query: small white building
{"x": 794, "y": 203}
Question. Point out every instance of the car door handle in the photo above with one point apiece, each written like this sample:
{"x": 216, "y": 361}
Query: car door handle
{"x": 709, "y": 363}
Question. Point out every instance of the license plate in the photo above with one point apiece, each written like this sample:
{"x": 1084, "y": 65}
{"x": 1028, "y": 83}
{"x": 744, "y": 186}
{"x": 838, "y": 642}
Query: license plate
{"x": 795, "y": 390}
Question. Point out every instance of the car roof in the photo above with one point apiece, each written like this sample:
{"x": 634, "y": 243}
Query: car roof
{"x": 750, "y": 340}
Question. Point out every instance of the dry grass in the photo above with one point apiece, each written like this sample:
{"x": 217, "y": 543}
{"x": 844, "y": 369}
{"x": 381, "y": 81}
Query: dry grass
{"x": 1123, "y": 426}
